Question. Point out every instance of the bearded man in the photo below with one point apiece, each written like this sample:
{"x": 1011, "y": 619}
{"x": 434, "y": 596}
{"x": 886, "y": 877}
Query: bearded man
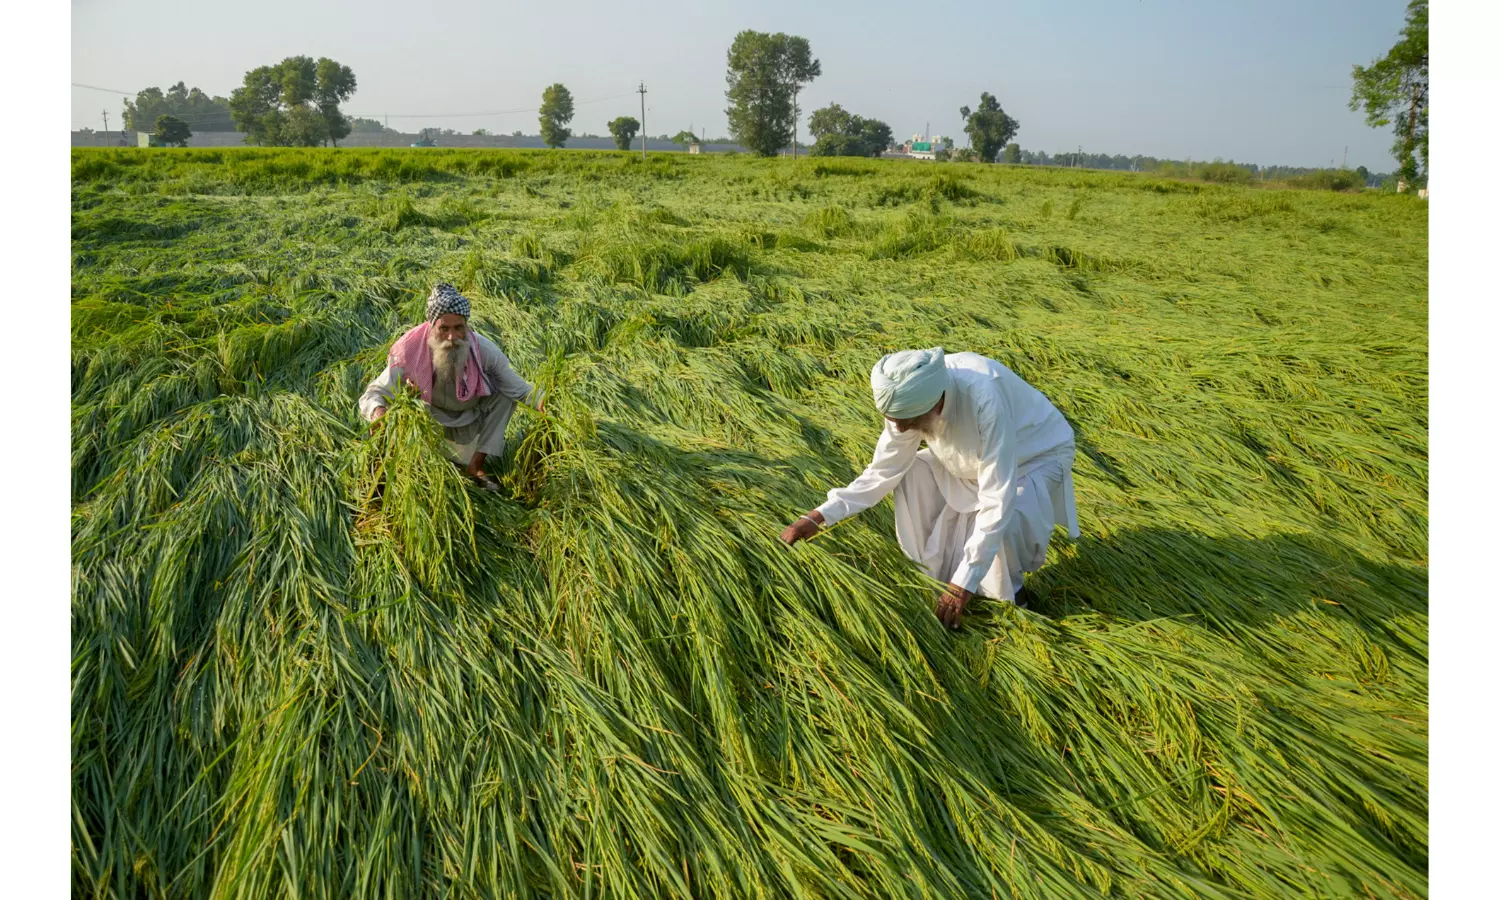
{"x": 465, "y": 380}
{"x": 976, "y": 507}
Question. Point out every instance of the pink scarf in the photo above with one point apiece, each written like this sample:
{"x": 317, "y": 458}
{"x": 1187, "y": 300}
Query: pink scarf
{"x": 411, "y": 354}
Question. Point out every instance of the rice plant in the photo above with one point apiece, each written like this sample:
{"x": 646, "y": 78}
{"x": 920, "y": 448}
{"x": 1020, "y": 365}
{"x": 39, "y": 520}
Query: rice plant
{"x": 310, "y": 660}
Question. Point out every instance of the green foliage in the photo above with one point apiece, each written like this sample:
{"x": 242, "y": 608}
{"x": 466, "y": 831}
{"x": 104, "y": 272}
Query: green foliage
{"x": 1013, "y": 153}
{"x": 988, "y": 127}
{"x": 765, "y": 73}
{"x": 308, "y": 659}
{"x": 555, "y": 114}
{"x": 194, "y": 107}
{"x": 623, "y": 129}
{"x": 838, "y": 133}
{"x": 172, "y": 131}
{"x": 1329, "y": 180}
{"x": 294, "y": 103}
{"x": 360, "y": 125}
{"x": 1220, "y": 172}
{"x": 1393, "y": 90}
{"x": 684, "y": 138}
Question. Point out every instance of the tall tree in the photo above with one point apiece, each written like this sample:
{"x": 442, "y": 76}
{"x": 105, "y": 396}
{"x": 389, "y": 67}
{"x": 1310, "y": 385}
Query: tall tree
{"x": 765, "y": 73}
{"x": 1013, "y": 153}
{"x": 294, "y": 103}
{"x": 1393, "y": 90}
{"x": 988, "y": 127}
{"x": 171, "y": 130}
{"x": 556, "y": 113}
{"x": 335, "y": 84}
{"x": 623, "y": 129}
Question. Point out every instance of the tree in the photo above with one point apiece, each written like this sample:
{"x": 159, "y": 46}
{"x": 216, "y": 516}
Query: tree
{"x": 1394, "y": 90}
{"x": 556, "y": 113}
{"x": 1013, "y": 153}
{"x": 294, "y": 103}
{"x": 481, "y": 132}
{"x": 988, "y": 127}
{"x": 623, "y": 130}
{"x": 172, "y": 131}
{"x": 199, "y": 110}
{"x": 765, "y": 73}
{"x": 684, "y": 137}
{"x": 1364, "y": 174}
{"x": 837, "y": 132}
{"x": 369, "y": 126}
{"x": 830, "y": 120}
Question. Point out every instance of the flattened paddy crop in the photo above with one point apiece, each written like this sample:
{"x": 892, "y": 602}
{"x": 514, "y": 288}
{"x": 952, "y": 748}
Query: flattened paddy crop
{"x": 311, "y": 661}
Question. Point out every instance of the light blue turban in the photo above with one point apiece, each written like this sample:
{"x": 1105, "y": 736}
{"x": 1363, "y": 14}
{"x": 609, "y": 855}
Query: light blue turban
{"x": 909, "y": 383}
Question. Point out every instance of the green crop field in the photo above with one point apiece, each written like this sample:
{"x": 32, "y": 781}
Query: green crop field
{"x": 312, "y": 661}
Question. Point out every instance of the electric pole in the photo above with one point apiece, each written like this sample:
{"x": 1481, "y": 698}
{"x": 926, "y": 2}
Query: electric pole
{"x": 642, "y": 91}
{"x": 795, "y": 91}
{"x": 106, "y": 125}
{"x": 1346, "y": 157}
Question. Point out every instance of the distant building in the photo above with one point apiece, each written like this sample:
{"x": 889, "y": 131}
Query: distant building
{"x": 695, "y": 147}
{"x": 920, "y": 147}
{"x": 146, "y": 139}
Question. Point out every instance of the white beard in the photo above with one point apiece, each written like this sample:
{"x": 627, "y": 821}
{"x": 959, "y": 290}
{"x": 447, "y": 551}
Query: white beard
{"x": 448, "y": 360}
{"x": 934, "y": 430}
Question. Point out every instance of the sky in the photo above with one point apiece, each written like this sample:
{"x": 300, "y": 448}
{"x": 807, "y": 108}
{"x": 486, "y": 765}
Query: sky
{"x": 1266, "y": 82}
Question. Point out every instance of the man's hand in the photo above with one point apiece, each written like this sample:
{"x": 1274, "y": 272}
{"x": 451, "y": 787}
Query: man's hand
{"x": 951, "y": 605}
{"x": 802, "y": 529}
{"x": 376, "y": 416}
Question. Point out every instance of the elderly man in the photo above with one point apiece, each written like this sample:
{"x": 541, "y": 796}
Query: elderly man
{"x": 977, "y": 507}
{"x": 464, "y": 378}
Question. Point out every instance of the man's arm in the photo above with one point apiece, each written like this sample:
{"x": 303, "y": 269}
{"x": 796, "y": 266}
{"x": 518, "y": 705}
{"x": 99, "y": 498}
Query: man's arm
{"x": 503, "y": 378}
{"x": 894, "y": 454}
{"x": 379, "y": 393}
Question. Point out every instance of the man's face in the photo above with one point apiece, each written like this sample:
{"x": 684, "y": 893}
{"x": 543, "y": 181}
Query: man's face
{"x": 451, "y": 329}
{"x": 926, "y": 423}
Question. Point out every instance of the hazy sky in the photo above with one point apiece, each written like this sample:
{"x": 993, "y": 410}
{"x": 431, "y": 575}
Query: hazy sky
{"x": 1264, "y": 82}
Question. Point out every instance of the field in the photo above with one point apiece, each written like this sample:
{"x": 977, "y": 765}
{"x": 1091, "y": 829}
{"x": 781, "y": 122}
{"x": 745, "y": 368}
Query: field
{"x": 311, "y": 661}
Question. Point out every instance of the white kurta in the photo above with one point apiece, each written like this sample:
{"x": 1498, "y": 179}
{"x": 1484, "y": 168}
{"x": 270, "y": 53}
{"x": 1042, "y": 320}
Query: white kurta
{"x": 477, "y": 426}
{"x": 978, "y": 506}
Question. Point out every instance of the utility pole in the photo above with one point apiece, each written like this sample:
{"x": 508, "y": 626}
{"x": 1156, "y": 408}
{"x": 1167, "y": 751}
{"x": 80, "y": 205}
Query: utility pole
{"x": 106, "y": 126}
{"x": 1346, "y": 157}
{"x": 795, "y": 91}
{"x": 642, "y": 91}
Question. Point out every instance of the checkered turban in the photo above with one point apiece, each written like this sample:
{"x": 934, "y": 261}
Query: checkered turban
{"x": 446, "y": 300}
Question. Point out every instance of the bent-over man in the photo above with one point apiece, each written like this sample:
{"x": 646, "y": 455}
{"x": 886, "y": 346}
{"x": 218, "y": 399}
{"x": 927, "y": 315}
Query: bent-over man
{"x": 464, "y": 378}
{"x": 977, "y": 506}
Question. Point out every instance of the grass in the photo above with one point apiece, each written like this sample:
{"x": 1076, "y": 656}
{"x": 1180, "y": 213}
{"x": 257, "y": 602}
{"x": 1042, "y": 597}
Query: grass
{"x": 309, "y": 661}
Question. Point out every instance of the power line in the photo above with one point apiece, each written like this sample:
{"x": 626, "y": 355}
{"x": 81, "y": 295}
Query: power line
{"x": 105, "y": 90}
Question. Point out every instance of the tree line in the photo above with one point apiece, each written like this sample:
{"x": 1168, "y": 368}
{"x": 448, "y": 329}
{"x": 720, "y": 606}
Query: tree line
{"x": 296, "y": 103}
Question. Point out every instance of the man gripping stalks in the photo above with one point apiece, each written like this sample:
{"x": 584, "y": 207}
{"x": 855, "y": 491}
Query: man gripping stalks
{"x": 977, "y": 507}
{"x": 464, "y": 378}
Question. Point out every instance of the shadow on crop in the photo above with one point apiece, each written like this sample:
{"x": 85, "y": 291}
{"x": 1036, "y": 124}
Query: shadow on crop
{"x": 1231, "y": 583}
